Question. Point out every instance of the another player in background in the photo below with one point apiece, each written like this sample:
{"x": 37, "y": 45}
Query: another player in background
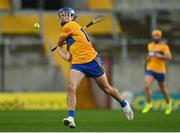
{"x": 158, "y": 53}
{"x": 85, "y": 63}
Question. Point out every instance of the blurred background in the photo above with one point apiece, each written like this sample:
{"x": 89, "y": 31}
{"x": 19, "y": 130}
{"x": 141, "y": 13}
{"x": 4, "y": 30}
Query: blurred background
{"x": 31, "y": 77}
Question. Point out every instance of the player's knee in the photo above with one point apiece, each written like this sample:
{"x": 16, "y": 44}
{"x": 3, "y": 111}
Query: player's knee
{"x": 147, "y": 84}
{"x": 161, "y": 85}
{"x": 147, "y": 87}
{"x": 162, "y": 88}
{"x": 71, "y": 88}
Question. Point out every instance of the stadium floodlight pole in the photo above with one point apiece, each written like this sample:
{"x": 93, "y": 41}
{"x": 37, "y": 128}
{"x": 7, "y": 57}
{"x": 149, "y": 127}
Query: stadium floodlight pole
{"x": 93, "y": 21}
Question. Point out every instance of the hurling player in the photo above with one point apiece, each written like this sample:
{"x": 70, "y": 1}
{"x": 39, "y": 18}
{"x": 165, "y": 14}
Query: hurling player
{"x": 158, "y": 54}
{"x": 85, "y": 62}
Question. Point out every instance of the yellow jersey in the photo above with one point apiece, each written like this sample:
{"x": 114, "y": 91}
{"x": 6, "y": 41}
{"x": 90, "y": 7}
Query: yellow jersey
{"x": 78, "y": 43}
{"x": 156, "y": 64}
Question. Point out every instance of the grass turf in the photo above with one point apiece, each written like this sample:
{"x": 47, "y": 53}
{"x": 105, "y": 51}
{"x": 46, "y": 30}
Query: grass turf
{"x": 87, "y": 121}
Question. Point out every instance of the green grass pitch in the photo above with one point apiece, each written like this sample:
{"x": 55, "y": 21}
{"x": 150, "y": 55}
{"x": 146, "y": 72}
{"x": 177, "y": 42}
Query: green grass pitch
{"x": 88, "y": 121}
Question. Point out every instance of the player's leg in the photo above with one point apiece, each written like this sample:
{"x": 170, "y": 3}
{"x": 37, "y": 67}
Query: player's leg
{"x": 75, "y": 78}
{"x": 166, "y": 94}
{"x": 164, "y": 91}
{"x": 148, "y": 92}
{"x": 108, "y": 89}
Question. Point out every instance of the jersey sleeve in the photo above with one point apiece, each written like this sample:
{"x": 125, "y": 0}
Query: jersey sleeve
{"x": 67, "y": 30}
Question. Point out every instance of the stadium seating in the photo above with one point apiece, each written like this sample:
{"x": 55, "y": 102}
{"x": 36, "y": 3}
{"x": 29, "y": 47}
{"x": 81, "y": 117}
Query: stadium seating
{"x": 5, "y": 4}
{"x": 100, "y": 4}
{"x": 129, "y": 5}
{"x": 21, "y": 24}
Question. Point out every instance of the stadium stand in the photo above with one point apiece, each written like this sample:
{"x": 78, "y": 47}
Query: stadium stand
{"x": 100, "y": 4}
{"x": 18, "y": 24}
{"x": 5, "y": 4}
{"x": 130, "y": 5}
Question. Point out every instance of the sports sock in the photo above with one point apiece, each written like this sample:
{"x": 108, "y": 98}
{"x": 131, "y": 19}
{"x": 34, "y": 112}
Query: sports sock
{"x": 71, "y": 113}
{"x": 123, "y": 103}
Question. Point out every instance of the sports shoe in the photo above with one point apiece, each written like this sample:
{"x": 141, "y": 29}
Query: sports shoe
{"x": 128, "y": 111}
{"x": 147, "y": 108}
{"x": 69, "y": 122}
{"x": 168, "y": 108}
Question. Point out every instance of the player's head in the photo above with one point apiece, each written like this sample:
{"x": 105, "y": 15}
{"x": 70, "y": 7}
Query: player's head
{"x": 66, "y": 14}
{"x": 156, "y": 35}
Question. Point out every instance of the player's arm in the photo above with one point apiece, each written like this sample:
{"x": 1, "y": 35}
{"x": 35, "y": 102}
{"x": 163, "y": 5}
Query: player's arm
{"x": 65, "y": 33}
{"x": 61, "y": 40}
{"x": 166, "y": 55}
{"x": 64, "y": 54}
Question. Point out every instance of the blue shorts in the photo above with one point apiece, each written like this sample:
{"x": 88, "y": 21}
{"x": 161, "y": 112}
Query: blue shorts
{"x": 91, "y": 69}
{"x": 158, "y": 76}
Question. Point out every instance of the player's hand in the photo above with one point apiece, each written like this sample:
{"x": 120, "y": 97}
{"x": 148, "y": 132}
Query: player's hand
{"x": 158, "y": 55}
{"x": 151, "y": 54}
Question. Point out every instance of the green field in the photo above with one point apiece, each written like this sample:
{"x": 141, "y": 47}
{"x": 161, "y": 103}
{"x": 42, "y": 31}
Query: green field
{"x": 88, "y": 120}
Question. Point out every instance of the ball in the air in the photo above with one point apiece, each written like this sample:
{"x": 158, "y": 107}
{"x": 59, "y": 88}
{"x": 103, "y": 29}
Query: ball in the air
{"x": 36, "y": 25}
